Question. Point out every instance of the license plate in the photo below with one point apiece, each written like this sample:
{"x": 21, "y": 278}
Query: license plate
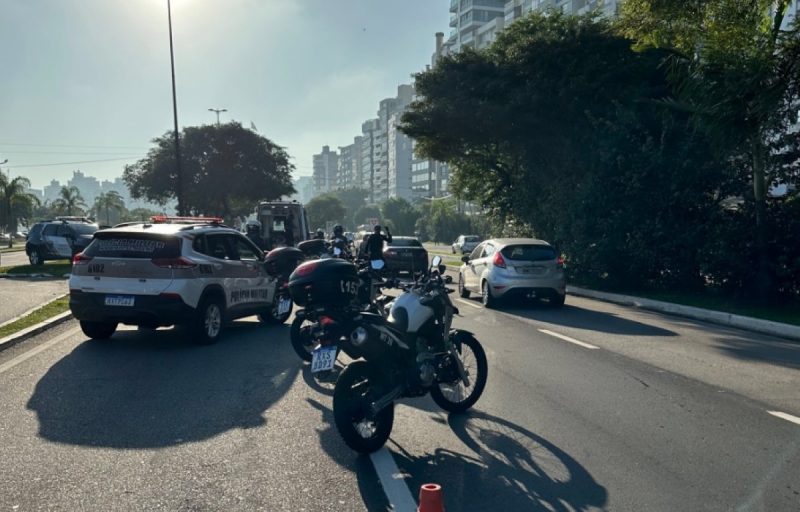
{"x": 119, "y": 300}
{"x": 284, "y": 305}
{"x": 323, "y": 359}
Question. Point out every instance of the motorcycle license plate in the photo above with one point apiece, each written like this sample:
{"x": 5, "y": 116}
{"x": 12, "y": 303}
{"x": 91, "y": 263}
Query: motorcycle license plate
{"x": 323, "y": 359}
{"x": 284, "y": 305}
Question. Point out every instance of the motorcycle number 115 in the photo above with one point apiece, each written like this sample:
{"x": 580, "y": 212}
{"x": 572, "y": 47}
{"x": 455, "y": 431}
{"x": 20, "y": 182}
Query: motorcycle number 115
{"x": 322, "y": 359}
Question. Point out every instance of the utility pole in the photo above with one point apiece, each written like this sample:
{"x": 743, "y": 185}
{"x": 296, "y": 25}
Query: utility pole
{"x": 217, "y": 111}
{"x": 179, "y": 192}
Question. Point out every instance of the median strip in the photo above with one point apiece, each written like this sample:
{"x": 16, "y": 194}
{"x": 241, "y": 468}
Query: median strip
{"x": 34, "y": 322}
{"x": 567, "y": 338}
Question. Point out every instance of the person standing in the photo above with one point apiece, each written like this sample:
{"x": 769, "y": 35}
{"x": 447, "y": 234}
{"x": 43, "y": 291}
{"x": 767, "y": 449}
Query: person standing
{"x": 375, "y": 243}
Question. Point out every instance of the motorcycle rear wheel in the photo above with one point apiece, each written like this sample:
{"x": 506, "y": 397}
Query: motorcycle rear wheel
{"x": 300, "y": 336}
{"x": 356, "y": 388}
{"x": 452, "y": 397}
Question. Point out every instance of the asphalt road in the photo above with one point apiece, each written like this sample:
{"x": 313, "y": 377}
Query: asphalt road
{"x": 592, "y": 407}
{"x": 13, "y": 259}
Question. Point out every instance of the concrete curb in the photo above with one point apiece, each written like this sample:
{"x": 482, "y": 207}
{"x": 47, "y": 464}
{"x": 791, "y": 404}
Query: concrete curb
{"x": 28, "y": 276}
{"x": 29, "y": 332}
{"x": 715, "y": 317}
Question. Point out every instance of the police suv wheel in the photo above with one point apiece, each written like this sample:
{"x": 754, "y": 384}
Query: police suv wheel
{"x": 208, "y": 322}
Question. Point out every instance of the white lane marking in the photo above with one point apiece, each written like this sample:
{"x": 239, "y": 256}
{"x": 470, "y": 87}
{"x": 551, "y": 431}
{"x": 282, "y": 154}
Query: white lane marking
{"x": 468, "y": 303}
{"x": 395, "y": 488}
{"x": 784, "y": 416}
{"x": 41, "y": 348}
{"x": 567, "y": 338}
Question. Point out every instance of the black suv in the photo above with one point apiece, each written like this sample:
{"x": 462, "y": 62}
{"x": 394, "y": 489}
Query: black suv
{"x": 58, "y": 239}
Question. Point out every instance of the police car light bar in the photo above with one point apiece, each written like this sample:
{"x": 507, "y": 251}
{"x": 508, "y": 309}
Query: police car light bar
{"x": 164, "y": 219}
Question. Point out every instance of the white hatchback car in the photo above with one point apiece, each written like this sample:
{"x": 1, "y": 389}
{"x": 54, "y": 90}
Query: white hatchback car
{"x": 513, "y": 267}
{"x": 199, "y": 274}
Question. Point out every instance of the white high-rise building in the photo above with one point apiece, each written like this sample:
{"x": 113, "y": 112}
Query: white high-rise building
{"x": 474, "y": 23}
{"x": 326, "y": 167}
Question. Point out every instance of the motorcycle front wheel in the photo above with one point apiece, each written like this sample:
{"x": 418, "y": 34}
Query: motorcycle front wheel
{"x": 455, "y": 396}
{"x": 356, "y": 388}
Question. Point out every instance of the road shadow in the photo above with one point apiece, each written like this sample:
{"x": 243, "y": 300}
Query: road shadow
{"x": 505, "y": 467}
{"x": 151, "y": 389}
{"x": 776, "y": 352}
{"x": 581, "y": 318}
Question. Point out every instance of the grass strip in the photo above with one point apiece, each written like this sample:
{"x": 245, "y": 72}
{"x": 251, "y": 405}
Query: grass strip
{"x": 54, "y": 269}
{"x": 49, "y": 310}
{"x": 13, "y": 249}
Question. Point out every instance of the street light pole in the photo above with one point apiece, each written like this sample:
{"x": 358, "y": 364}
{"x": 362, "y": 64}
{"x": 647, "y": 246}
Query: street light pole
{"x": 217, "y": 111}
{"x": 179, "y": 192}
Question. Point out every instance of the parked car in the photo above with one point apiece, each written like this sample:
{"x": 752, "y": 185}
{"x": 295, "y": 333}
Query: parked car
{"x": 502, "y": 268}
{"x": 465, "y": 244}
{"x": 58, "y": 239}
{"x": 199, "y": 274}
{"x": 405, "y": 254}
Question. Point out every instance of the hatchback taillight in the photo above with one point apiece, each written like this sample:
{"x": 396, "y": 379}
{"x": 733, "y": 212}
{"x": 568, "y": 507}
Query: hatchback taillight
{"x": 498, "y": 260}
{"x": 174, "y": 263}
{"x": 81, "y": 259}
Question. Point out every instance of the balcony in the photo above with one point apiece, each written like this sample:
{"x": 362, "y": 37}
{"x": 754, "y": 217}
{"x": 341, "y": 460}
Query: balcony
{"x": 454, "y": 5}
{"x": 454, "y": 20}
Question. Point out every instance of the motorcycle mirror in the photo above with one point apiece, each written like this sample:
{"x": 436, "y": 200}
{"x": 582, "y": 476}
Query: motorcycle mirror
{"x": 437, "y": 260}
{"x": 442, "y": 269}
{"x": 377, "y": 264}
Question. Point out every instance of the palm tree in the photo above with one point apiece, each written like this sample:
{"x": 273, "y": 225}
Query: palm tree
{"x": 106, "y": 202}
{"x": 70, "y": 201}
{"x": 17, "y": 203}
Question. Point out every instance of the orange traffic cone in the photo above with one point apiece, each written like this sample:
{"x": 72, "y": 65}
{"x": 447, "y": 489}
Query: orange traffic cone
{"x": 431, "y": 498}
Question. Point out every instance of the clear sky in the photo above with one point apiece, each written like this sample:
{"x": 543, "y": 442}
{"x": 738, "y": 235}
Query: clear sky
{"x": 90, "y": 79}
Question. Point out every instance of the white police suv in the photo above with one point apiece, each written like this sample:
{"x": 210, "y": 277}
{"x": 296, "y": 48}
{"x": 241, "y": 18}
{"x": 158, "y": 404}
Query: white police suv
{"x": 174, "y": 271}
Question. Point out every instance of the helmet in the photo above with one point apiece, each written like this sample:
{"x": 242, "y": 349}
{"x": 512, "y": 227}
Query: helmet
{"x": 253, "y": 226}
{"x": 320, "y": 233}
{"x": 377, "y": 228}
{"x": 338, "y": 230}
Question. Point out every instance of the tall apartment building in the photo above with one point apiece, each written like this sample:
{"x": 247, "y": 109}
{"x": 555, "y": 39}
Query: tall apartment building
{"x": 350, "y": 165}
{"x": 400, "y": 155}
{"x": 474, "y": 23}
{"x": 326, "y": 168}
{"x": 370, "y": 133}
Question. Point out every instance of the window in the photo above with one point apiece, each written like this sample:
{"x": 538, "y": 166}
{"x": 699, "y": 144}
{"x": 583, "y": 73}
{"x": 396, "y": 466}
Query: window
{"x": 63, "y": 230}
{"x": 488, "y": 251}
{"x": 83, "y": 229}
{"x": 530, "y": 252}
{"x": 477, "y": 252}
{"x": 50, "y": 230}
{"x": 245, "y": 250}
{"x": 133, "y": 245}
{"x": 216, "y": 247}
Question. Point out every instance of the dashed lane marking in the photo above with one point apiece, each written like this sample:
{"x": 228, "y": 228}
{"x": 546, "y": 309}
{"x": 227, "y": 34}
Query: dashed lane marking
{"x": 784, "y": 416}
{"x": 468, "y": 303}
{"x": 391, "y": 478}
{"x": 567, "y": 338}
{"x": 41, "y": 348}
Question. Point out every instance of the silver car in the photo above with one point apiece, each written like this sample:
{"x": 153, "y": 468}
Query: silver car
{"x": 465, "y": 244}
{"x": 523, "y": 268}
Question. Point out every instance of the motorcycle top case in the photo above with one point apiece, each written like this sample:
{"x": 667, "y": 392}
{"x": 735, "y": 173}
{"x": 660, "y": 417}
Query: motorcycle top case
{"x": 283, "y": 260}
{"x": 312, "y": 248}
{"x": 329, "y": 282}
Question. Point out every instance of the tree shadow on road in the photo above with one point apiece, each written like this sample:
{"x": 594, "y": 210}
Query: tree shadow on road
{"x": 507, "y": 468}
{"x": 581, "y": 318}
{"x": 151, "y": 389}
{"x": 777, "y": 352}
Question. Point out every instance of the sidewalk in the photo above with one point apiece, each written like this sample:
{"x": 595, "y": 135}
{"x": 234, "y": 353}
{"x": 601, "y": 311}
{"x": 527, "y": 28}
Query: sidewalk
{"x": 18, "y": 296}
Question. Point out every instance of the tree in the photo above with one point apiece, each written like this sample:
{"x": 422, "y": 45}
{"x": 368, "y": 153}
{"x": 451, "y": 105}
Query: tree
{"x": 107, "y": 202}
{"x": 736, "y": 70}
{"x": 226, "y": 170}
{"x": 139, "y": 214}
{"x": 364, "y": 213}
{"x": 401, "y": 213}
{"x": 573, "y": 146}
{"x": 353, "y": 199}
{"x": 17, "y": 203}
{"x": 323, "y": 209}
{"x": 70, "y": 202}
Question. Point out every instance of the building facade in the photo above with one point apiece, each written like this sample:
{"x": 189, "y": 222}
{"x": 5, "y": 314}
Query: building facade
{"x": 326, "y": 168}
